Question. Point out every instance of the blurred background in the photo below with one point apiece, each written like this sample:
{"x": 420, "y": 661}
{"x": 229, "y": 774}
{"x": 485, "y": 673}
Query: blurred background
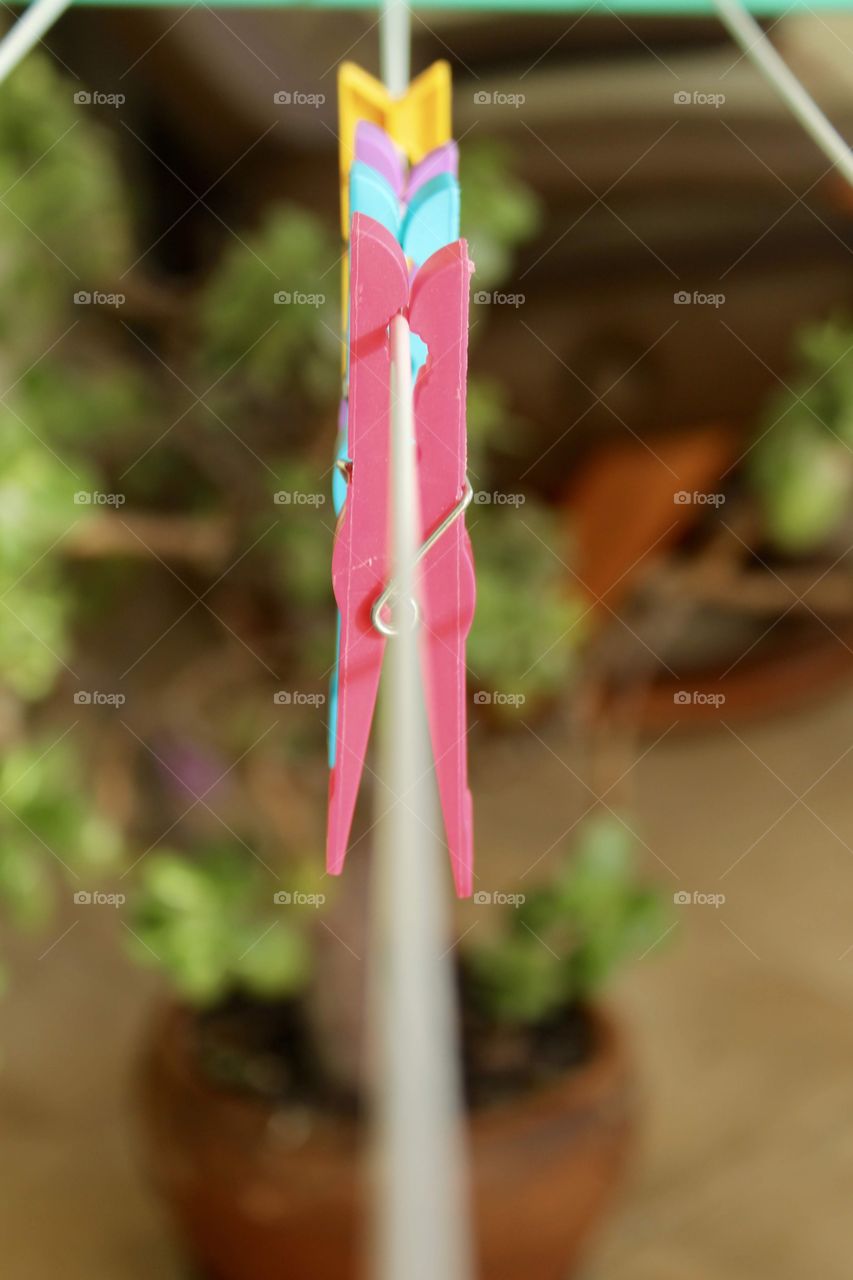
{"x": 661, "y": 667}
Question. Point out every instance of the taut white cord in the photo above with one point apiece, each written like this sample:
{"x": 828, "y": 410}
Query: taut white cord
{"x": 36, "y": 19}
{"x": 420, "y": 1207}
{"x": 395, "y": 42}
{"x": 755, "y": 44}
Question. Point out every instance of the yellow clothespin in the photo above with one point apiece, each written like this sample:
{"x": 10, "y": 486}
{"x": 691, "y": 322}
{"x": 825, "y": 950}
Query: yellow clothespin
{"x": 418, "y": 122}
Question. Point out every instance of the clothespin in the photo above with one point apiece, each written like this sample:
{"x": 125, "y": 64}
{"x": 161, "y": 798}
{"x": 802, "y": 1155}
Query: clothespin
{"x": 418, "y": 122}
{"x": 436, "y": 304}
{"x": 420, "y": 207}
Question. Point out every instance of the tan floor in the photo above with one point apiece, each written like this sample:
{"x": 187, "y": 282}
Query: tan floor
{"x": 741, "y": 1023}
{"x": 743, "y": 1027}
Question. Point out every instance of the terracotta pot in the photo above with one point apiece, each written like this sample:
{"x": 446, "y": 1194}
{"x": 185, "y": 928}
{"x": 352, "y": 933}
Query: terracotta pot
{"x": 257, "y": 1193}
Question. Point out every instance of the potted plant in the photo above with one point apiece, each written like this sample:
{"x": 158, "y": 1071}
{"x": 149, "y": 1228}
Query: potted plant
{"x": 254, "y": 1136}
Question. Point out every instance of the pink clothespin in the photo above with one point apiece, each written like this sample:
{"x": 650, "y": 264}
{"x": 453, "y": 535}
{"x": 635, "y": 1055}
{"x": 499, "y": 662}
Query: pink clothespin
{"x": 437, "y": 310}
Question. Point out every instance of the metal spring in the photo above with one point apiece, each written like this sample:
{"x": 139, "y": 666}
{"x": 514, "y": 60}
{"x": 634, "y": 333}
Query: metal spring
{"x": 385, "y": 628}
{"x": 344, "y": 465}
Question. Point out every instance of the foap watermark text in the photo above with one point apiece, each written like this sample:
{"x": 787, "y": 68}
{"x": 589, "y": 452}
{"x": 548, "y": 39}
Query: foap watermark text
{"x": 497, "y": 698}
{"x": 286, "y": 898}
{"x": 295, "y": 698}
{"x": 698, "y": 98}
{"x": 686, "y": 498}
{"x": 698, "y": 698}
{"x": 488, "y": 898}
{"x": 696, "y": 898}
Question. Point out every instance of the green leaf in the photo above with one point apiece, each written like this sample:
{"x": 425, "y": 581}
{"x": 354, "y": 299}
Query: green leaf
{"x": 25, "y": 887}
{"x": 175, "y": 883}
{"x": 599, "y": 869}
{"x": 196, "y": 952}
{"x": 272, "y": 346}
{"x": 529, "y": 624}
{"x": 499, "y": 212}
{"x": 99, "y": 845}
{"x": 518, "y": 979}
{"x": 801, "y": 466}
{"x": 274, "y": 963}
{"x": 570, "y": 935}
{"x": 805, "y": 480}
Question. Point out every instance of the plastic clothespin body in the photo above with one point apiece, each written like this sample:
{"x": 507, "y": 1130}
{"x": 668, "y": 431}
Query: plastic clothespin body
{"x": 438, "y": 314}
{"x": 419, "y": 205}
{"x": 430, "y": 222}
{"x": 379, "y": 289}
{"x": 437, "y": 307}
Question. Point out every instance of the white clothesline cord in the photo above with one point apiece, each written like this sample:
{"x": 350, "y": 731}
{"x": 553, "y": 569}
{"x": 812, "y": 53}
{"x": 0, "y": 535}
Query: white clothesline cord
{"x": 395, "y": 42}
{"x": 755, "y": 44}
{"x": 420, "y": 1226}
{"x": 420, "y": 1209}
{"x": 33, "y": 23}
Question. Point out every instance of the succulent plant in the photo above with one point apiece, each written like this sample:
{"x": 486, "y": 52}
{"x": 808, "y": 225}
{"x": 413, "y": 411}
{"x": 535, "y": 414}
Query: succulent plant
{"x": 563, "y": 942}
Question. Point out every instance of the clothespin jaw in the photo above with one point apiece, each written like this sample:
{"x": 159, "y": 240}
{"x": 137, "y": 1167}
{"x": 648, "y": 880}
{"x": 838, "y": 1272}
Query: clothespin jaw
{"x": 437, "y": 307}
{"x": 418, "y": 122}
{"x": 376, "y": 149}
{"x": 438, "y": 314}
{"x": 371, "y": 193}
{"x": 379, "y": 290}
{"x": 443, "y": 159}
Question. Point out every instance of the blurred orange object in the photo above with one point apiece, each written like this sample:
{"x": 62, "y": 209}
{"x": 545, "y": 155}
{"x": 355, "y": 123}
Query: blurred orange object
{"x": 628, "y": 501}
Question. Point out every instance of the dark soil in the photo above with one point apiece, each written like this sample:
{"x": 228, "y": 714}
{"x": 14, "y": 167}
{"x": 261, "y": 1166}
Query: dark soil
{"x": 268, "y": 1050}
